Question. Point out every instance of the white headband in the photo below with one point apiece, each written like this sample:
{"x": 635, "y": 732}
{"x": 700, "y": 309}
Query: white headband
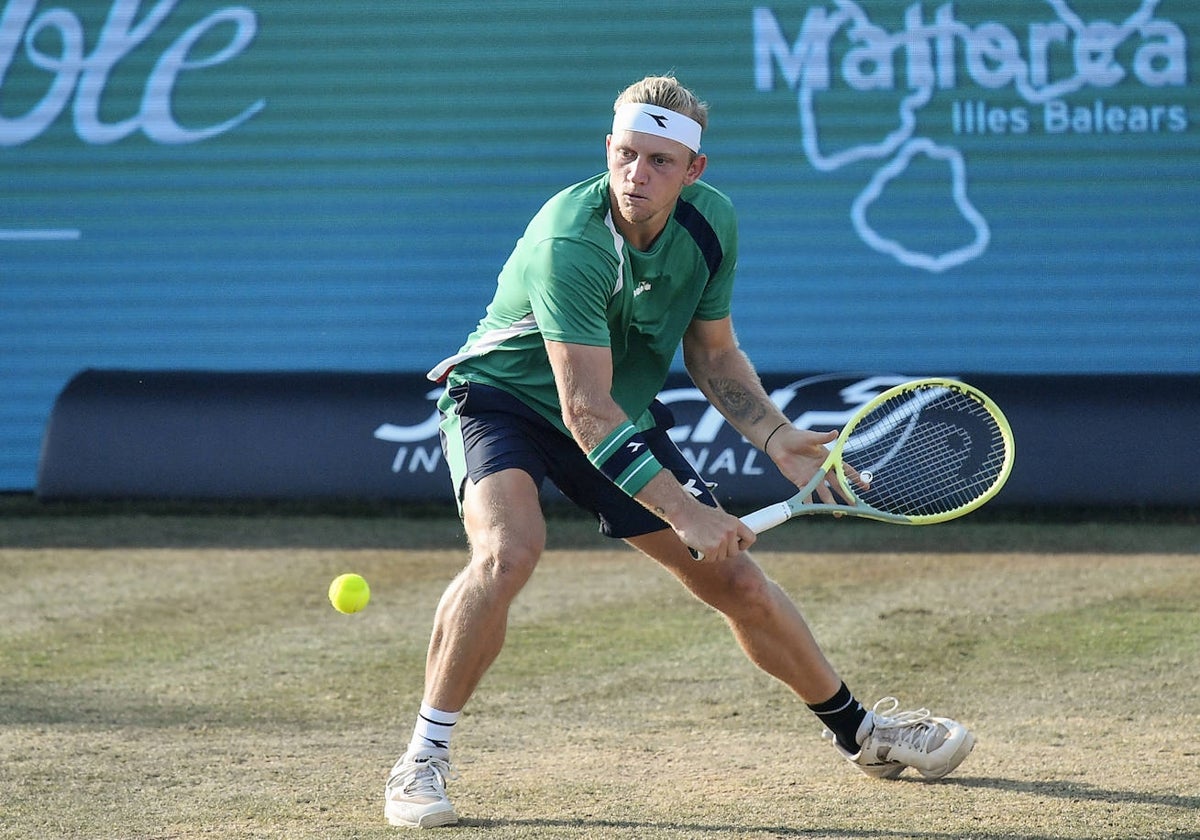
{"x": 650, "y": 119}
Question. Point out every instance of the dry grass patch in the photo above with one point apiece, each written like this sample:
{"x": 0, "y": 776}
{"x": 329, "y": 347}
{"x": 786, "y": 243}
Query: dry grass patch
{"x": 184, "y": 677}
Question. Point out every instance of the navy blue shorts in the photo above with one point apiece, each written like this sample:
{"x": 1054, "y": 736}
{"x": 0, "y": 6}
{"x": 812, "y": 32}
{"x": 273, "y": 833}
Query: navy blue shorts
{"x": 485, "y": 430}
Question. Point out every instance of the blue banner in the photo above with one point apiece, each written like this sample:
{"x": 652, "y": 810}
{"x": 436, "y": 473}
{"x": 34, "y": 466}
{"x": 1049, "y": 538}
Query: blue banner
{"x": 1080, "y": 440}
{"x": 1002, "y": 186}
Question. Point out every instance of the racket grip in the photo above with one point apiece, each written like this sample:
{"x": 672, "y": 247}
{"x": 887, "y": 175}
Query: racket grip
{"x": 768, "y": 517}
{"x": 759, "y": 521}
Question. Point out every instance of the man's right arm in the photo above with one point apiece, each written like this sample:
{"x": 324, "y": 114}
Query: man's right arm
{"x": 583, "y": 374}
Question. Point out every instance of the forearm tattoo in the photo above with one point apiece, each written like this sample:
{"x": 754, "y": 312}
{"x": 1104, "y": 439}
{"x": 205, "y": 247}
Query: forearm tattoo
{"x": 736, "y": 402}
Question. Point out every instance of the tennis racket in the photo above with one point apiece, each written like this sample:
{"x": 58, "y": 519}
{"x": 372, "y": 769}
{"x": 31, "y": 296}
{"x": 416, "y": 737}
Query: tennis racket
{"x": 925, "y": 451}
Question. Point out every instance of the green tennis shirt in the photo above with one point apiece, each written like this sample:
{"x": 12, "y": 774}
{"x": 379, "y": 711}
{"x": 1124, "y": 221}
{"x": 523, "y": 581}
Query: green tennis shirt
{"x": 573, "y": 278}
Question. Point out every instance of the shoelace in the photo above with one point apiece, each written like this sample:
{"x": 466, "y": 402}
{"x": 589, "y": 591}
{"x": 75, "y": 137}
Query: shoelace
{"x": 424, "y": 778}
{"x": 915, "y": 728}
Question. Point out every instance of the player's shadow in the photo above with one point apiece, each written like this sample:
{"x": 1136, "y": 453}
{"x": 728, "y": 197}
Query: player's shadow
{"x": 1073, "y": 791}
{"x": 638, "y": 828}
{"x": 1079, "y": 792}
{"x": 635, "y": 828}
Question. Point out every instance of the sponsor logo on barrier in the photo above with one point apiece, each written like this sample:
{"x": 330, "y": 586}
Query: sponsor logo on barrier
{"x": 702, "y": 434}
{"x": 54, "y": 43}
{"x": 419, "y": 450}
{"x": 1049, "y": 65}
{"x": 816, "y": 402}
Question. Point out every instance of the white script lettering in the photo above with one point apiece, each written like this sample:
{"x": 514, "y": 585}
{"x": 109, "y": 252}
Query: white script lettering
{"x": 991, "y": 52}
{"x": 86, "y": 76}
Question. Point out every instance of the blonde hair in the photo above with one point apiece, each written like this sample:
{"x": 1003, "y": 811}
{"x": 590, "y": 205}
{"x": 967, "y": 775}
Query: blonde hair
{"x": 665, "y": 92}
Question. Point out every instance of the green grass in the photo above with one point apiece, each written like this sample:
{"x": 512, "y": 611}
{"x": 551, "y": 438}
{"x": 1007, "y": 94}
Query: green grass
{"x": 174, "y": 671}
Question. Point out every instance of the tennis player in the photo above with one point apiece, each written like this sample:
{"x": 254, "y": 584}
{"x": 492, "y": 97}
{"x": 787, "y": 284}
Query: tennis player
{"x": 558, "y": 381}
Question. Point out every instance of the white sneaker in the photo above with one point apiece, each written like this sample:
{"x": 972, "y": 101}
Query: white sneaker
{"x": 889, "y": 741}
{"x": 415, "y": 794}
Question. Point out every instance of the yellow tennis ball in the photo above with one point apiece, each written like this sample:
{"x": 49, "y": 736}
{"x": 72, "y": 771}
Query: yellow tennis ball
{"x": 349, "y": 593}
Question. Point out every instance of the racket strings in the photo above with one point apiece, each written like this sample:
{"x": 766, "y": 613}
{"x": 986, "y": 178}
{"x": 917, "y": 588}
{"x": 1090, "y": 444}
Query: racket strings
{"x": 930, "y": 451}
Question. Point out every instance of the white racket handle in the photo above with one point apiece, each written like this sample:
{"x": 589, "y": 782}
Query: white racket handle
{"x": 760, "y": 520}
{"x": 768, "y": 517}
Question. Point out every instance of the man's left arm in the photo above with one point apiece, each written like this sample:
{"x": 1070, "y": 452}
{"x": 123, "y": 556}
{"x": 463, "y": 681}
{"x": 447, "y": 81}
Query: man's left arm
{"x": 725, "y": 375}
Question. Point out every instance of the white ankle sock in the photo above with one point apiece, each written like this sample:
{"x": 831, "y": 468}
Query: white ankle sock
{"x": 433, "y": 730}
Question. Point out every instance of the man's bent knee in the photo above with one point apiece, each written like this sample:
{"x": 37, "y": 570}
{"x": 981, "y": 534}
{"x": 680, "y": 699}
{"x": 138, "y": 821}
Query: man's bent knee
{"x": 743, "y": 590}
{"x": 504, "y": 568}
{"x": 505, "y": 529}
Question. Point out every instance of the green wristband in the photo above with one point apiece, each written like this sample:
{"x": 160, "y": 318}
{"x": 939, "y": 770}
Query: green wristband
{"x": 625, "y": 458}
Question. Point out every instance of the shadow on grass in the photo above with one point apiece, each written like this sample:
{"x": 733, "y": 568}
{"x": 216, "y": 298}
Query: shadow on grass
{"x": 636, "y": 827}
{"x": 1079, "y": 792}
{"x": 1053, "y": 789}
{"x": 26, "y": 522}
{"x": 1072, "y": 791}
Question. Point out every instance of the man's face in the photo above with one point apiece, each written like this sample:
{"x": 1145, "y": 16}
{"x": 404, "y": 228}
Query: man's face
{"x": 646, "y": 174}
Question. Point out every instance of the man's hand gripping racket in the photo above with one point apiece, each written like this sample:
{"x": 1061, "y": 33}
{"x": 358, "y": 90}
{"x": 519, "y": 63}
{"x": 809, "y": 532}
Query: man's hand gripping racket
{"x": 925, "y": 451}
